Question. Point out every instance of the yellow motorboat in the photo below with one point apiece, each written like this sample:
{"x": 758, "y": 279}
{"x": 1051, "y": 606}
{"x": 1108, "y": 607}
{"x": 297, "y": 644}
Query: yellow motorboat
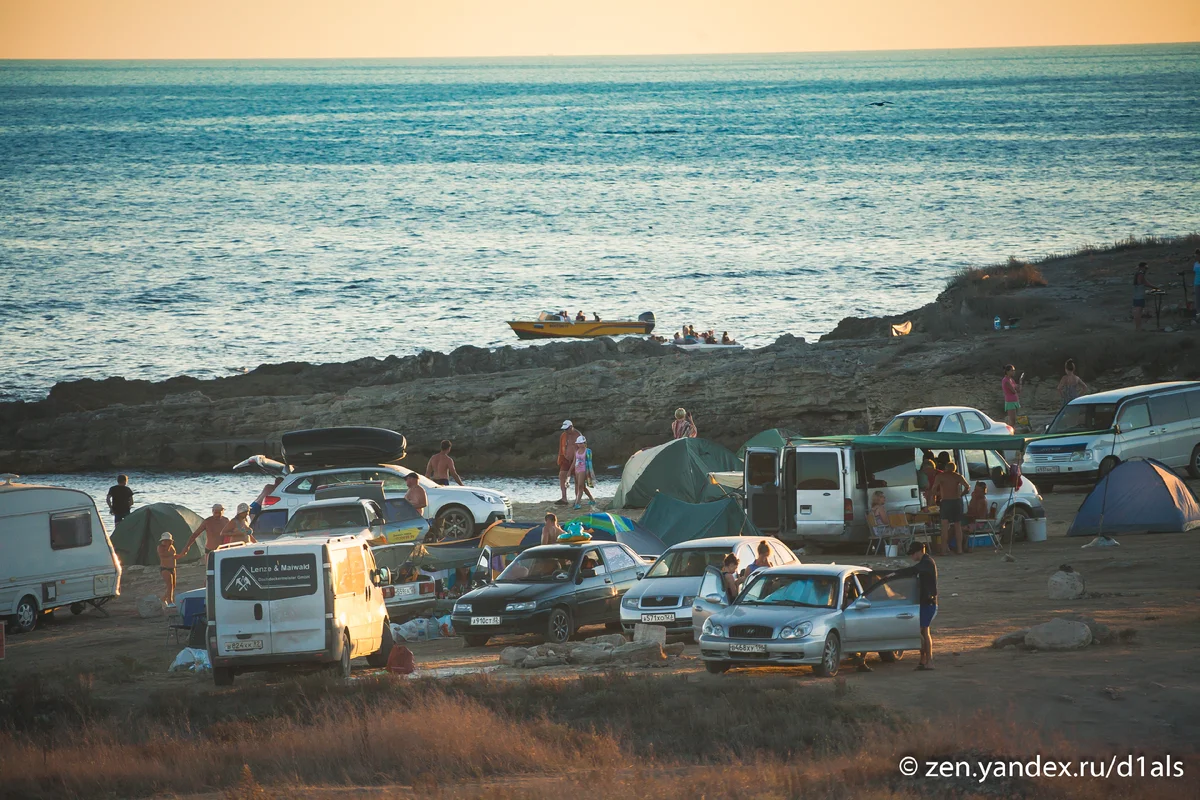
{"x": 555, "y": 326}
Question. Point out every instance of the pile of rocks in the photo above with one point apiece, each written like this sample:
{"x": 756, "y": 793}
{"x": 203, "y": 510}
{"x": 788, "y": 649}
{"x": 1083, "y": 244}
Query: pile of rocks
{"x": 1073, "y": 632}
{"x": 609, "y": 650}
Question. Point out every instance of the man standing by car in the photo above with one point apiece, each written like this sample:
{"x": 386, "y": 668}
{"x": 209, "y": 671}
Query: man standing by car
{"x": 441, "y": 466}
{"x": 120, "y": 499}
{"x": 211, "y": 528}
{"x": 925, "y": 571}
{"x": 566, "y": 457}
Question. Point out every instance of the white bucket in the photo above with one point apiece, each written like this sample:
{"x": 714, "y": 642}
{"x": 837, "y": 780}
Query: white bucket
{"x": 1035, "y": 530}
{"x": 892, "y": 550}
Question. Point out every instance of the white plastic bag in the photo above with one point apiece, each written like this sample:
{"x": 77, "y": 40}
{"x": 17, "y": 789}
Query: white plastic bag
{"x": 190, "y": 659}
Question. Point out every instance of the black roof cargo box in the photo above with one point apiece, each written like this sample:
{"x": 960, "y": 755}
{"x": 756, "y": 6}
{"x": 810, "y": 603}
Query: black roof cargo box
{"x": 321, "y": 448}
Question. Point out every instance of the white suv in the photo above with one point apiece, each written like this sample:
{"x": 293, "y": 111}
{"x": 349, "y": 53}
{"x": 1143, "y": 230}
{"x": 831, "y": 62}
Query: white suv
{"x": 459, "y": 511}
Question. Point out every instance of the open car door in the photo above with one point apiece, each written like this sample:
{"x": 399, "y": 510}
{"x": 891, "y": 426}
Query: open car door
{"x": 885, "y": 617}
{"x": 761, "y": 484}
{"x": 710, "y": 599}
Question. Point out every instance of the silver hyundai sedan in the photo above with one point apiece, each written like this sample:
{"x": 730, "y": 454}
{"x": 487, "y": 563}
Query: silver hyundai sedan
{"x": 809, "y": 614}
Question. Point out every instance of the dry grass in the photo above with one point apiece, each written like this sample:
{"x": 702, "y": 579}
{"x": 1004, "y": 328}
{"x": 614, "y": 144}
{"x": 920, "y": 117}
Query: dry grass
{"x": 999, "y": 278}
{"x": 600, "y": 736}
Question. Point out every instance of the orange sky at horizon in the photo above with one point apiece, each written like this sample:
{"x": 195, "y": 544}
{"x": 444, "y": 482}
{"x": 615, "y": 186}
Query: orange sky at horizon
{"x": 139, "y": 29}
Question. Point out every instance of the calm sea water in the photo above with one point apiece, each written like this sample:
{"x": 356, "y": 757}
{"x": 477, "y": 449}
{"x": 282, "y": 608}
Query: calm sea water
{"x": 161, "y": 218}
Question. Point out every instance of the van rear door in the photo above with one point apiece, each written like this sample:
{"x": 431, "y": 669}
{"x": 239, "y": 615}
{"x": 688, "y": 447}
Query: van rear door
{"x": 820, "y": 492}
{"x": 297, "y": 607}
{"x": 265, "y": 595}
{"x": 761, "y": 482}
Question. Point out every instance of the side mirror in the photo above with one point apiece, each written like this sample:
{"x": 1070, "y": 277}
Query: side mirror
{"x": 381, "y": 576}
{"x": 716, "y": 599}
{"x": 861, "y": 604}
{"x": 641, "y": 575}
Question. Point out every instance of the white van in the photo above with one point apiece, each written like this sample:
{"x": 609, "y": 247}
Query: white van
{"x": 54, "y": 552}
{"x": 1158, "y": 420}
{"x": 809, "y": 492}
{"x": 295, "y": 602}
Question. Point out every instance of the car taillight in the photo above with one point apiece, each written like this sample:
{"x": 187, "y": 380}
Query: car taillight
{"x": 848, "y": 505}
{"x": 389, "y": 592}
{"x": 426, "y": 588}
{"x": 270, "y": 500}
{"x": 1011, "y": 430}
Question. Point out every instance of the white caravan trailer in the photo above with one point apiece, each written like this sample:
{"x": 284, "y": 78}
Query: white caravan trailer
{"x": 54, "y": 552}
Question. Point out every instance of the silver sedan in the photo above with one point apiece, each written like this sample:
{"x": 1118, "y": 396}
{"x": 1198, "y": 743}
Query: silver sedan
{"x": 809, "y": 614}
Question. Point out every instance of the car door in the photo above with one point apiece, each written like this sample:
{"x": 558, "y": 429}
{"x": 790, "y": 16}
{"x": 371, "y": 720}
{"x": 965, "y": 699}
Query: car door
{"x": 350, "y": 593}
{"x": 820, "y": 492}
{"x": 710, "y": 598}
{"x": 951, "y": 423}
{"x": 885, "y": 616}
{"x": 594, "y": 591}
{"x": 1138, "y": 437}
{"x": 760, "y": 480}
{"x": 1170, "y": 415}
{"x": 623, "y": 569}
{"x": 973, "y": 423}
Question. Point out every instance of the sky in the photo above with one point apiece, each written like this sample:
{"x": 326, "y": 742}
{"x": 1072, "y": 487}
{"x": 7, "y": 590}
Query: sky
{"x": 139, "y": 29}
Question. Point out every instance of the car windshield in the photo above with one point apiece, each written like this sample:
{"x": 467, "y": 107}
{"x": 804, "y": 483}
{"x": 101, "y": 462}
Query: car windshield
{"x": 811, "y": 591}
{"x": 689, "y": 563}
{"x": 426, "y": 483}
{"x": 913, "y": 423}
{"x": 542, "y": 567}
{"x": 321, "y": 519}
{"x": 1081, "y": 417}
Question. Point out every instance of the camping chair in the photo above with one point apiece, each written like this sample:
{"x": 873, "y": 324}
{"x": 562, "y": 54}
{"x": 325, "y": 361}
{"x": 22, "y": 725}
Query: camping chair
{"x": 175, "y": 624}
{"x": 879, "y": 537}
{"x": 918, "y": 528}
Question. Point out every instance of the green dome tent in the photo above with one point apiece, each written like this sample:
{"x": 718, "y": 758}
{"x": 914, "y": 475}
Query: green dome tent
{"x": 774, "y": 438}
{"x": 679, "y": 469}
{"x": 675, "y": 521}
{"x": 136, "y": 537}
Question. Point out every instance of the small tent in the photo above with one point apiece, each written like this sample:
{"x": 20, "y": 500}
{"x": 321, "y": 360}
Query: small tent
{"x": 674, "y": 521}
{"x": 1137, "y": 496}
{"x": 136, "y": 537}
{"x": 774, "y": 438}
{"x": 502, "y": 533}
{"x": 679, "y": 468}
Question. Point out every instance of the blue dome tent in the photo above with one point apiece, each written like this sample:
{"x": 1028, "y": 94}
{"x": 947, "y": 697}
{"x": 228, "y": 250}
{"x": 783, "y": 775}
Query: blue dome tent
{"x": 1137, "y": 496}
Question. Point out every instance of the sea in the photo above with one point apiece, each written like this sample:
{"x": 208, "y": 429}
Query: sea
{"x": 160, "y": 218}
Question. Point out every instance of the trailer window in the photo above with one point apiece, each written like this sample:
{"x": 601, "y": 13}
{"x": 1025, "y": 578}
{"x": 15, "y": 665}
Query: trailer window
{"x": 817, "y": 471}
{"x": 70, "y": 530}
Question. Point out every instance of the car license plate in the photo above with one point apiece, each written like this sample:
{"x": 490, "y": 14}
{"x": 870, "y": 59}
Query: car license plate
{"x": 1048, "y": 469}
{"x": 485, "y": 620}
{"x": 411, "y": 589}
{"x": 751, "y": 649}
{"x": 252, "y": 644}
{"x": 658, "y": 617}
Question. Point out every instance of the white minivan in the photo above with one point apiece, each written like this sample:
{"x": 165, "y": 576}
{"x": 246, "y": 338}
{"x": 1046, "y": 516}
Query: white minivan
{"x": 1157, "y": 420}
{"x": 295, "y": 602}
{"x": 54, "y": 552}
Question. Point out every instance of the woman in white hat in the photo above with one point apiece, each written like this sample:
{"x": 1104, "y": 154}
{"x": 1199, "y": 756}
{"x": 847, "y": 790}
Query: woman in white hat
{"x": 238, "y": 530}
{"x": 166, "y": 566}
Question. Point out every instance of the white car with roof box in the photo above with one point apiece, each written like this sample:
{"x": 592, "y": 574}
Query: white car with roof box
{"x": 1096, "y": 432}
{"x": 295, "y": 602}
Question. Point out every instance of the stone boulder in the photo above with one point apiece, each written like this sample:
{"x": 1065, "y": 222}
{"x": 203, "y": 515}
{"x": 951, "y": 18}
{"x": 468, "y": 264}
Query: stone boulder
{"x": 639, "y": 653}
{"x": 610, "y": 639}
{"x": 1101, "y": 633}
{"x": 1016, "y": 638}
{"x": 649, "y": 633}
{"x": 674, "y": 649}
{"x": 513, "y": 656}
{"x": 536, "y": 661}
{"x": 149, "y": 606}
{"x": 1066, "y": 584}
{"x": 1059, "y": 634}
{"x": 590, "y": 654}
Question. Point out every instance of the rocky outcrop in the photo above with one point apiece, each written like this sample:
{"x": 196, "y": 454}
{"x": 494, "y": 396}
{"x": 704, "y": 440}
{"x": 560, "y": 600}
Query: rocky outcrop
{"x": 1059, "y": 634}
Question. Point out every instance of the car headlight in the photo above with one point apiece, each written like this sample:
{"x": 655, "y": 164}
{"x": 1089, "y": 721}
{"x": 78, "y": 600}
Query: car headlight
{"x": 530, "y": 606}
{"x": 462, "y": 608}
{"x": 712, "y": 630}
{"x": 688, "y": 599}
{"x": 629, "y": 602}
{"x": 490, "y": 499}
{"x": 796, "y": 630}
{"x": 1082, "y": 455}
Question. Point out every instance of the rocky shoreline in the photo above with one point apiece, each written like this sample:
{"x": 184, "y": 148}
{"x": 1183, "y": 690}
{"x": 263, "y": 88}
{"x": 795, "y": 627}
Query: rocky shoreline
{"x": 503, "y": 408}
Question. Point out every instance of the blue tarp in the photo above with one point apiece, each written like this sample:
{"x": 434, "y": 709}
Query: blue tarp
{"x": 1138, "y": 496}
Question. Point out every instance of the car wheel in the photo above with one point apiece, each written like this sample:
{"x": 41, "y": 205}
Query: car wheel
{"x": 26, "y": 617}
{"x": 475, "y": 640}
{"x": 717, "y": 667}
{"x": 455, "y": 522}
{"x": 1014, "y": 522}
{"x": 341, "y": 668}
{"x": 222, "y": 676}
{"x": 1194, "y": 463}
{"x": 831, "y": 656}
{"x": 890, "y": 656}
{"x": 380, "y": 657}
{"x": 1106, "y": 466}
{"x": 77, "y": 608}
{"x": 558, "y": 627}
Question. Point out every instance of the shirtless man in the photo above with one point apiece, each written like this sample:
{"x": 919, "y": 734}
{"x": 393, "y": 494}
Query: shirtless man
{"x": 440, "y": 468}
{"x": 211, "y": 528}
{"x": 566, "y": 457}
{"x": 550, "y": 530}
{"x": 415, "y": 495}
{"x": 949, "y": 486}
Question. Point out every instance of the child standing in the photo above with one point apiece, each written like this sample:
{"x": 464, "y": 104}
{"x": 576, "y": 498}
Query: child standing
{"x": 582, "y": 459}
{"x": 166, "y": 566}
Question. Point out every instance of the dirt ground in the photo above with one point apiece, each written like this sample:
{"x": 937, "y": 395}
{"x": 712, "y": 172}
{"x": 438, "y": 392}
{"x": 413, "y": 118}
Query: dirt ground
{"x": 1140, "y": 694}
